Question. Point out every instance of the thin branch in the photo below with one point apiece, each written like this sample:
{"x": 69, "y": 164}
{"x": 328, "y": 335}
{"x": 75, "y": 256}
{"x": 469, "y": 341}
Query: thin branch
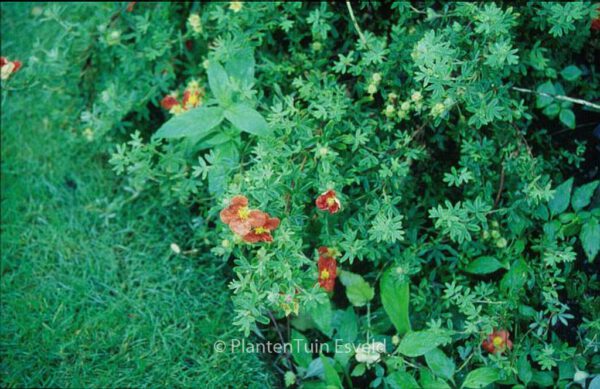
{"x": 559, "y": 97}
{"x": 360, "y": 34}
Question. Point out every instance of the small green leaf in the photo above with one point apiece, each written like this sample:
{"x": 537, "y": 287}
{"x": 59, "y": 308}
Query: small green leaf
{"x": 219, "y": 82}
{"x": 358, "y": 370}
{"x": 395, "y": 299}
{"x": 401, "y": 380}
{"x": 567, "y": 117}
{"x": 440, "y": 364}
{"x": 590, "y": 238}
{"x": 543, "y": 101}
{"x": 570, "y": 73}
{"x": 417, "y": 343}
{"x": 484, "y": 265}
{"x": 247, "y": 119}
{"x": 562, "y": 195}
{"x": 331, "y": 376}
{"x": 358, "y": 291}
{"x": 552, "y": 110}
{"x": 196, "y": 122}
{"x": 481, "y": 377}
{"x": 583, "y": 195}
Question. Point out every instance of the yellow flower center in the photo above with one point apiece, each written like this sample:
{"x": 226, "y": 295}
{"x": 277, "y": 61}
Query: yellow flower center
{"x": 193, "y": 99}
{"x": 261, "y": 230}
{"x": 325, "y": 274}
{"x": 498, "y": 341}
{"x": 331, "y": 201}
{"x": 244, "y": 213}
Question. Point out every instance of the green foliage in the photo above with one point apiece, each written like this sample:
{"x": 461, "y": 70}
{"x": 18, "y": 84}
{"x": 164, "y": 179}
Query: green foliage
{"x": 440, "y": 127}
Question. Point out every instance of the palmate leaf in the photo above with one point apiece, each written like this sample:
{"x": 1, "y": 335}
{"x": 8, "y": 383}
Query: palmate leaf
{"x": 197, "y": 122}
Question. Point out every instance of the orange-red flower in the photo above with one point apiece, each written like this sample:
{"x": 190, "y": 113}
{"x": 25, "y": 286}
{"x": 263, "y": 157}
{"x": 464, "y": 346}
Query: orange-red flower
{"x": 169, "y": 102}
{"x": 130, "y": 6}
{"x": 327, "y": 266}
{"x": 497, "y": 342}
{"x": 240, "y": 218}
{"x": 596, "y": 23}
{"x": 328, "y": 202}
{"x": 262, "y": 232}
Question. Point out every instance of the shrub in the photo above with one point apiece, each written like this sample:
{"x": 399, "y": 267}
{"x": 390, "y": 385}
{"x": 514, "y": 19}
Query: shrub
{"x": 410, "y": 154}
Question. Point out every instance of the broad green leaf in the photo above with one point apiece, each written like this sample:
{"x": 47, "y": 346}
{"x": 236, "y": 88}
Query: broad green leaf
{"x": 440, "y": 364}
{"x": 567, "y": 117}
{"x": 583, "y": 195}
{"x": 346, "y": 325}
{"x": 429, "y": 381}
{"x": 481, "y": 377}
{"x": 331, "y": 376}
{"x": 544, "y": 379}
{"x": 417, "y": 343}
{"x": 219, "y": 82}
{"x": 213, "y": 139}
{"x": 322, "y": 315}
{"x": 524, "y": 369}
{"x": 516, "y": 277}
{"x": 395, "y": 299}
{"x": 241, "y": 66}
{"x": 247, "y": 119}
{"x": 315, "y": 368}
{"x": 484, "y": 265}
{"x": 401, "y": 380}
{"x": 570, "y": 73}
{"x": 562, "y": 195}
{"x": 300, "y": 349}
{"x": 590, "y": 238}
{"x": 226, "y": 158}
{"x": 196, "y": 122}
{"x": 543, "y": 101}
{"x": 358, "y": 291}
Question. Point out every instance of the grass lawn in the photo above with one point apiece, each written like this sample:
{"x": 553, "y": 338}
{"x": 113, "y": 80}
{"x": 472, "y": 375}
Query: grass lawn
{"x": 91, "y": 294}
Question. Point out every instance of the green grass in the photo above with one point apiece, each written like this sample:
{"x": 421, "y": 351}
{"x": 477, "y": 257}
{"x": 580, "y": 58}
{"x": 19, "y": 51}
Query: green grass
{"x": 91, "y": 295}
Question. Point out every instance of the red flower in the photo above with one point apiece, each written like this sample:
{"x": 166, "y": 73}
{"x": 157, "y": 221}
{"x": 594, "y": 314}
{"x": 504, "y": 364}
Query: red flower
{"x": 130, "y": 6}
{"x": 262, "y": 232}
{"x": 18, "y": 65}
{"x": 328, "y": 202}
{"x": 169, "y": 102}
{"x": 497, "y": 342}
{"x": 3, "y": 61}
{"x": 327, "y": 272}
